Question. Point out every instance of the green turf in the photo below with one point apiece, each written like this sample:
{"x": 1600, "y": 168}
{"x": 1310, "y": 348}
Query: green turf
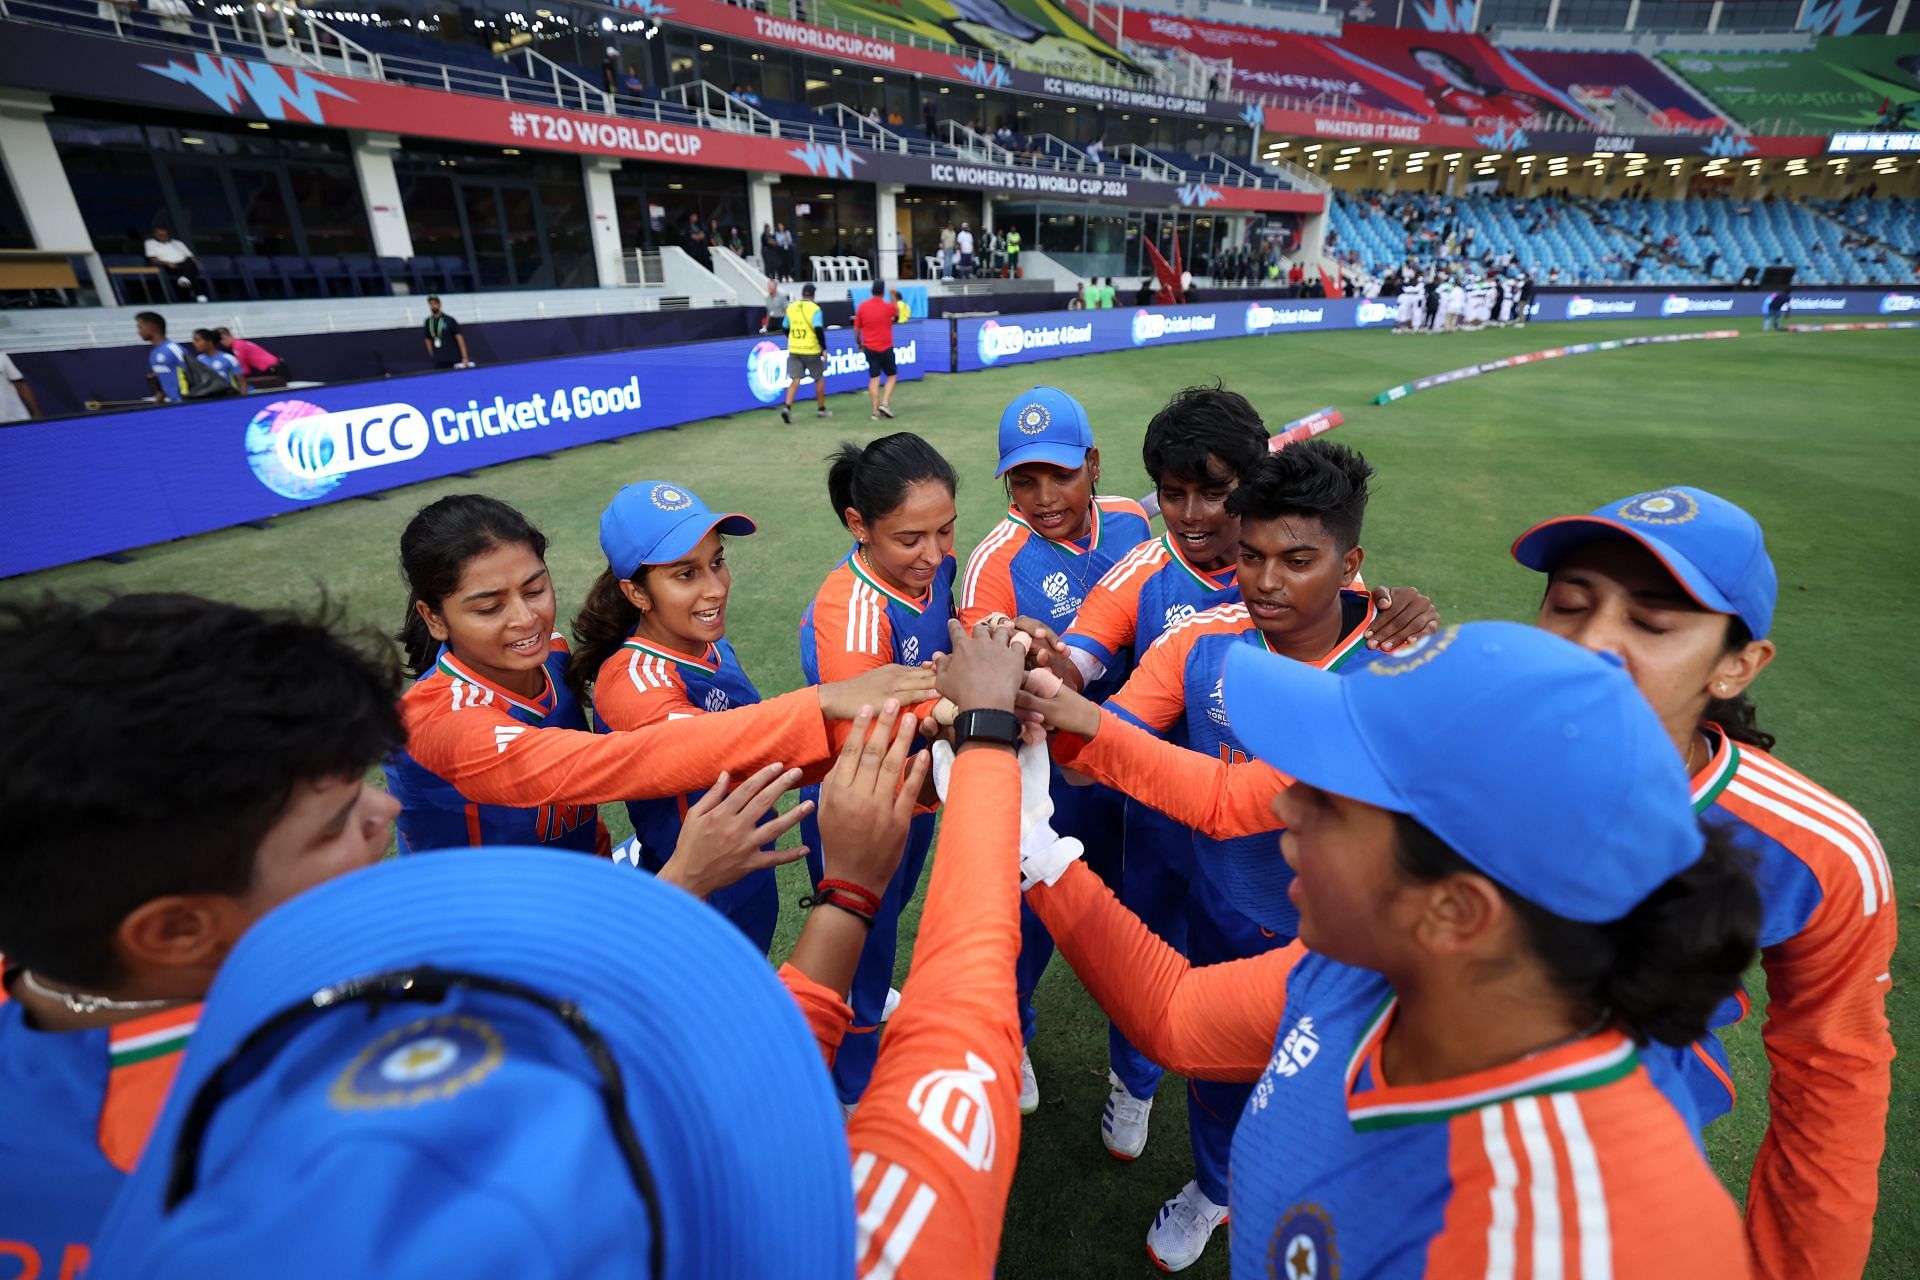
{"x": 1814, "y": 433}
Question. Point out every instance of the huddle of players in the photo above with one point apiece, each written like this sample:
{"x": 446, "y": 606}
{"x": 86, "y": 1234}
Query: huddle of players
{"x": 1429, "y": 300}
{"x": 1204, "y": 670}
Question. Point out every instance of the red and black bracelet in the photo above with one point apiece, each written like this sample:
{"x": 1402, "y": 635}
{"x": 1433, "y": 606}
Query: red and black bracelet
{"x": 851, "y": 898}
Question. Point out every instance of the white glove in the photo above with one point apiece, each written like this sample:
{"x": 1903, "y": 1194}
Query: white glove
{"x": 1045, "y": 855}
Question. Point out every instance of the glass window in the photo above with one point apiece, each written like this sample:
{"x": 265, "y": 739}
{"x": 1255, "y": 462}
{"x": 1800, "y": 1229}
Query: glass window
{"x": 1514, "y": 13}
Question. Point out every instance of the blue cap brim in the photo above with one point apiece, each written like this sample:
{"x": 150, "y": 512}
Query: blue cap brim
{"x": 1301, "y": 720}
{"x": 686, "y": 535}
{"x": 1068, "y": 456}
{"x": 1547, "y": 544}
{"x": 577, "y": 928}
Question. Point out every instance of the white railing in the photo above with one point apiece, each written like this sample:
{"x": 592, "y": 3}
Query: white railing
{"x": 876, "y": 135}
{"x": 976, "y": 146}
{"x": 1148, "y": 163}
{"x": 570, "y": 89}
{"x": 750, "y": 285}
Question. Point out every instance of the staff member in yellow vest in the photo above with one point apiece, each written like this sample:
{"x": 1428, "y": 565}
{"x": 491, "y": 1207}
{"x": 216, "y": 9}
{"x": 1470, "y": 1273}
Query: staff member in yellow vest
{"x": 806, "y": 327}
{"x": 1013, "y": 252}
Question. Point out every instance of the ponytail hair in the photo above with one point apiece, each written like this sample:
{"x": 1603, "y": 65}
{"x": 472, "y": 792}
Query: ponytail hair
{"x": 434, "y": 550}
{"x": 1737, "y": 715}
{"x": 600, "y": 628}
{"x": 1662, "y": 969}
{"x": 874, "y": 481}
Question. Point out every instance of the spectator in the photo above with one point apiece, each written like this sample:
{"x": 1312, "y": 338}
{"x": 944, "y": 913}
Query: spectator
{"x": 631, "y": 82}
{"x": 770, "y": 252}
{"x": 901, "y": 311}
{"x": 1107, "y": 295}
{"x": 17, "y": 402}
{"x": 873, "y": 114}
{"x": 1144, "y": 295}
{"x": 175, "y": 16}
{"x": 610, "y": 69}
{"x": 1296, "y": 279}
{"x": 947, "y": 241}
{"x": 176, "y": 263}
{"x": 873, "y": 323}
{"x": 895, "y": 119}
{"x": 1013, "y": 252}
{"x": 784, "y": 238}
{"x": 1078, "y": 300}
{"x": 206, "y": 349}
{"x": 927, "y": 117}
{"x": 444, "y": 337}
{"x": 1094, "y": 149}
{"x": 261, "y": 366}
{"x": 697, "y": 242}
{"x": 1090, "y": 294}
{"x": 964, "y": 243}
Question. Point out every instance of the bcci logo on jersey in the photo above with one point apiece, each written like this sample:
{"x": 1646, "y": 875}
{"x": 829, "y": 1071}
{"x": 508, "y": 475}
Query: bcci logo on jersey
{"x": 300, "y": 451}
{"x": 1302, "y": 1247}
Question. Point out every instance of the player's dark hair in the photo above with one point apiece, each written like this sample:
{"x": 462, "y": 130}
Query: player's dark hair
{"x": 434, "y": 550}
{"x": 153, "y": 319}
{"x": 1662, "y": 969}
{"x": 152, "y": 743}
{"x": 1202, "y": 421}
{"x": 879, "y": 288}
{"x": 1317, "y": 478}
{"x": 601, "y": 627}
{"x": 1737, "y": 715}
{"x": 874, "y": 481}
{"x": 208, "y": 334}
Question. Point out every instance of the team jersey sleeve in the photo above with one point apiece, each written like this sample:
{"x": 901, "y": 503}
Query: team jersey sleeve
{"x": 1219, "y": 800}
{"x": 852, "y": 635}
{"x": 635, "y": 689}
{"x": 1155, "y": 694}
{"x": 937, "y": 1135}
{"x": 1815, "y": 1184}
{"x": 987, "y": 585}
{"x": 827, "y": 1015}
{"x": 494, "y": 759}
{"x": 1109, "y": 616}
{"x": 1216, "y": 1022}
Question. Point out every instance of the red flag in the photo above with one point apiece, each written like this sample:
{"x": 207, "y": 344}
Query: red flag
{"x": 1169, "y": 278}
{"x": 1179, "y": 294}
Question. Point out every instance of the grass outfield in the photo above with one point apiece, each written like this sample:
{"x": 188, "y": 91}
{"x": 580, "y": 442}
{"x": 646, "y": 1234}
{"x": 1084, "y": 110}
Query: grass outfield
{"x": 1804, "y": 430}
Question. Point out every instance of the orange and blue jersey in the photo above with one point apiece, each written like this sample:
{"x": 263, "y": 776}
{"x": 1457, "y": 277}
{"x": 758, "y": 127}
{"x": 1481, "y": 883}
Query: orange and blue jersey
{"x": 436, "y": 813}
{"x": 79, "y": 1107}
{"x": 645, "y": 683}
{"x": 855, "y": 623}
{"x": 1826, "y": 942}
{"x": 1177, "y": 684}
{"x": 1147, "y": 591}
{"x": 1570, "y": 1162}
{"x": 1019, "y": 571}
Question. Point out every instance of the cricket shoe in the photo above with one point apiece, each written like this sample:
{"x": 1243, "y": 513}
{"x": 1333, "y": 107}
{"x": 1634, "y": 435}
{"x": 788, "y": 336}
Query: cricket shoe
{"x": 823, "y": 413}
{"x": 1181, "y": 1229}
{"x": 885, "y": 412}
{"x": 1029, "y": 1085}
{"x": 786, "y": 414}
{"x": 1123, "y": 1125}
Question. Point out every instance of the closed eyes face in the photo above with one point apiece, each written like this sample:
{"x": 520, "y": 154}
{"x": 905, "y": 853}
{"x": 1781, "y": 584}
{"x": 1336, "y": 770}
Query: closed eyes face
{"x": 907, "y": 545}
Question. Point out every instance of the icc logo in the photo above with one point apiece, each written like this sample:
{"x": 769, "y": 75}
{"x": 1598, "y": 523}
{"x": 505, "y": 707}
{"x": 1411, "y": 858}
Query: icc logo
{"x": 300, "y": 450}
{"x": 1218, "y": 711}
{"x": 910, "y": 651}
{"x": 1056, "y": 586}
{"x": 767, "y": 371}
{"x": 717, "y": 700}
{"x": 1178, "y": 613}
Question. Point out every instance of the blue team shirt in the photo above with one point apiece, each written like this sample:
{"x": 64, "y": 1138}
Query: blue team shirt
{"x": 223, "y": 364}
{"x": 435, "y": 815}
{"x": 167, "y": 362}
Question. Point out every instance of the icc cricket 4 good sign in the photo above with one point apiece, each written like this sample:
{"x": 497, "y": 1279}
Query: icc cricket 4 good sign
{"x": 189, "y": 468}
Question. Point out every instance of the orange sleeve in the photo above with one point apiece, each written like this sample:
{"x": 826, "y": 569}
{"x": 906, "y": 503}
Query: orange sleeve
{"x": 1816, "y": 1179}
{"x": 494, "y": 759}
{"x": 1217, "y": 799}
{"x": 1155, "y": 693}
{"x": 634, "y": 690}
{"x": 937, "y": 1135}
{"x": 852, "y": 635}
{"x": 1217, "y": 1022}
{"x": 827, "y": 1015}
{"x": 986, "y": 586}
{"x": 1108, "y": 618}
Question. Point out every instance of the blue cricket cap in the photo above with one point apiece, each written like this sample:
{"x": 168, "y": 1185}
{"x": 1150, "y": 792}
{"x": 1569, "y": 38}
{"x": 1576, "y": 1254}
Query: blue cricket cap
{"x": 655, "y": 522}
{"x": 1044, "y": 425}
{"x": 473, "y": 1131}
{"x": 1714, "y": 549}
{"x": 1536, "y": 761}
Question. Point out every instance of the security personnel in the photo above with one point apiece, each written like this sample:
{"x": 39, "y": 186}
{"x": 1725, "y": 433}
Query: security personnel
{"x": 806, "y": 327}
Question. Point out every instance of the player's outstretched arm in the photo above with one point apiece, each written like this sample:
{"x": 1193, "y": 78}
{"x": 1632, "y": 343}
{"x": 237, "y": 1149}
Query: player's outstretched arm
{"x": 1217, "y": 799}
{"x": 937, "y": 1135}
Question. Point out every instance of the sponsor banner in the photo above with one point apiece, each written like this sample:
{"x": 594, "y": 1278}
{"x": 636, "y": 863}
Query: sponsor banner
{"x": 1406, "y": 389}
{"x": 1858, "y": 143}
{"x": 79, "y": 489}
{"x": 62, "y": 62}
{"x": 1840, "y": 84}
{"x": 1333, "y": 126}
{"x": 1863, "y": 324}
{"x": 1047, "y": 335}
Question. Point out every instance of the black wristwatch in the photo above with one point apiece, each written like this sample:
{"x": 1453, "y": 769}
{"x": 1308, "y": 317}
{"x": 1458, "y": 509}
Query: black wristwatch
{"x": 991, "y": 725}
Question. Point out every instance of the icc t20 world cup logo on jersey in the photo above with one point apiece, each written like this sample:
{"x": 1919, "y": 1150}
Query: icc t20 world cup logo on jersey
{"x": 767, "y": 371}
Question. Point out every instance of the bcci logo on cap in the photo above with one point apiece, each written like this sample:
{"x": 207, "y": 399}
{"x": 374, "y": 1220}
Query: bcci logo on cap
{"x": 1665, "y": 506}
{"x": 1413, "y": 656}
{"x": 767, "y": 371}
{"x": 1034, "y": 419}
{"x": 428, "y": 1060}
{"x": 668, "y": 498}
{"x": 998, "y": 341}
{"x": 1302, "y": 1247}
{"x": 300, "y": 451}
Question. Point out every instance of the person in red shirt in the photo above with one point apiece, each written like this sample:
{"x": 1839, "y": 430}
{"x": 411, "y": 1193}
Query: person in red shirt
{"x": 258, "y": 363}
{"x": 873, "y": 324}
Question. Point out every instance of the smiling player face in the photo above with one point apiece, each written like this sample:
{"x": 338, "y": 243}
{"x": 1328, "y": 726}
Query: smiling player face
{"x": 907, "y": 545}
{"x": 1195, "y": 511}
{"x": 499, "y": 620}
{"x": 1056, "y": 501}
{"x": 683, "y": 605}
